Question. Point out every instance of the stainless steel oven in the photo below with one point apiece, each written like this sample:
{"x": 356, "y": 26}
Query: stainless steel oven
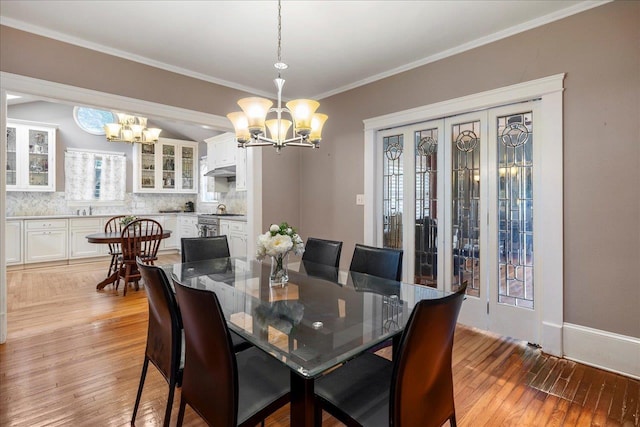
{"x": 208, "y": 225}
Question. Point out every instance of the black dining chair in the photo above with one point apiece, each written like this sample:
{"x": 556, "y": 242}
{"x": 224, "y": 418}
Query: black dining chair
{"x": 206, "y": 248}
{"x": 415, "y": 389}
{"x": 164, "y": 347}
{"x": 203, "y": 248}
{"x": 225, "y": 388}
{"x": 321, "y": 251}
{"x": 381, "y": 262}
{"x": 385, "y": 263}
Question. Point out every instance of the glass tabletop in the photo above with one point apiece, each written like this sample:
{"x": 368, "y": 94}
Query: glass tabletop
{"x": 321, "y": 318}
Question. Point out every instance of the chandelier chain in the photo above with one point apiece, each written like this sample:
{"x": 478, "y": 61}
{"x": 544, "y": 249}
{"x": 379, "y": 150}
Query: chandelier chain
{"x": 279, "y": 32}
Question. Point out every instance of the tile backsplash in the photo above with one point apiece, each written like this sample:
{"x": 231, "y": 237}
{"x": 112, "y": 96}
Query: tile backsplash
{"x": 38, "y": 203}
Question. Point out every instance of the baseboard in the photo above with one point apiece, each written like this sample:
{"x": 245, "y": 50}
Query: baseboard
{"x": 602, "y": 349}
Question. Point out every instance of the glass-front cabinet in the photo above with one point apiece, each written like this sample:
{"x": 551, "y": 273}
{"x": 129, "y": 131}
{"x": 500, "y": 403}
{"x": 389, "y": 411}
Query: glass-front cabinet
{"x": 31, "y": 150}
{"x": 165, "y": 167}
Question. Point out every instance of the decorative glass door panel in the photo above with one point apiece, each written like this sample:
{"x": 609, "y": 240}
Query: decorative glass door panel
{"x": 38, "y": 158}
{"x": 426, "y": 213}
{"x": 187, "y": 168}
{"x": 515, "y": 209}
{"x": 168, "y": 166}
{"x": 465, "y": 205}
{"x": 12, "y": 161}
{"x": 392, "y": 190}
{"x": 147, "y": 166}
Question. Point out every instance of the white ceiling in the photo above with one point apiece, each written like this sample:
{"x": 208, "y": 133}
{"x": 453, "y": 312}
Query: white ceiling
{"x": 330, "y": 46}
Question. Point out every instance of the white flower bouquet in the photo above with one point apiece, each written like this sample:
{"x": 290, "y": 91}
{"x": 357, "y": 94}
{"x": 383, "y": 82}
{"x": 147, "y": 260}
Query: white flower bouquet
{"x": 279, "y": 240}
{"x": 277, "y": 243}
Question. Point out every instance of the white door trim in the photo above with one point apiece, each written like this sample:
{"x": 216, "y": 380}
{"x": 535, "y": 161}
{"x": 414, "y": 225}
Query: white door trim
{"x": 76, "y": 95}
{"x": 549, "y": 90}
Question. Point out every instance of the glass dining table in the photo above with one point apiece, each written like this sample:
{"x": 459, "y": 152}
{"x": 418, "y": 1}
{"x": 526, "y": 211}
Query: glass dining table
{"x": 323, "y": 317}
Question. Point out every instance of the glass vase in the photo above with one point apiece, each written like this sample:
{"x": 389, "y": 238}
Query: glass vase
{"x": 279, "y": 275}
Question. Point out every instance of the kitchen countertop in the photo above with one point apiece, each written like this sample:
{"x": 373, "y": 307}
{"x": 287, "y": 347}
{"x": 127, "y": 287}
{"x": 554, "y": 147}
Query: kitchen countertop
{"x": 26, "y": 217}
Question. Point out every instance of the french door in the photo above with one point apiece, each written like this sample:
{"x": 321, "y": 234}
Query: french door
{"x": 458, "y": 195}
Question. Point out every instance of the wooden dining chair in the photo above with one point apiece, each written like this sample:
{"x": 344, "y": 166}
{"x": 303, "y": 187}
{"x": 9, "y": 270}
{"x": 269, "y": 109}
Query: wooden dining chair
{"x": 164, "y": 335}
{"x": 415, "y": 389}
{"x": 140, "y": 239}
{"x": 113, "y": 225}
{"x": 224, "y": 388}
{"x": 381, "y": 262}
{"x": 321, "y": 251}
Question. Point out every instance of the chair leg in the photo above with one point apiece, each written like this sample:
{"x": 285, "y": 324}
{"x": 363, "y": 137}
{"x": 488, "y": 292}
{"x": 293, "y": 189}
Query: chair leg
{"x": 183, "y": 404}
{"x": 452, "y": 420}
{"x": 111, "y": 265}
{"x": 317, "y": 414}
{"x": 127, "y": 278}
{"x": 167, "y": 412}
{"x": 143, "y": 375}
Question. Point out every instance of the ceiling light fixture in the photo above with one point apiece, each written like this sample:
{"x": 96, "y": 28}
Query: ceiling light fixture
{"x": 249, "y": 124}
{"x": 131, "y": 129}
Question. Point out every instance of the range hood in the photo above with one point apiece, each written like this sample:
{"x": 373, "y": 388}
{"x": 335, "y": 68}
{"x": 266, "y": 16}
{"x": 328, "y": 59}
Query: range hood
{"x": 223, "y": 172}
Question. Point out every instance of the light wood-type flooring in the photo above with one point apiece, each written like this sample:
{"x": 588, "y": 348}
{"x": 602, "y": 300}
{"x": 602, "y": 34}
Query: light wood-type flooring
{"x": 73, "y": 358}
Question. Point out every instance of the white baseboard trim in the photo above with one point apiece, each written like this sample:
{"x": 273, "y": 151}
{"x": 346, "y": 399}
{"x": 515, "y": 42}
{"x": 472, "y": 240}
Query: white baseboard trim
{"x": 601, "y": 349}
{"x": 551, "y": 338}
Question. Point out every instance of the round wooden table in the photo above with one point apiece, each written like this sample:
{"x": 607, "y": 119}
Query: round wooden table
{"x": 112, "y": 237}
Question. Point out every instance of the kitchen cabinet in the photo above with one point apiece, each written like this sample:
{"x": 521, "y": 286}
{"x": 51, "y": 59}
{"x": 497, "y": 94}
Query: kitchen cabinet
{"x": 79, "y": 247}
{"x": 173, "y": 241}
{"x": 31, "y": 156}
{"x": 169, "y": 166}
{"x": 13, "y": 242}
{"x": 187, "y": 226}
{"x": 236, "y": 232}
{"x": 221, "y": 150}
{"x": 241, "y": 169}
{"x": 45, "y": 240}
{"x": 168, "y": 222}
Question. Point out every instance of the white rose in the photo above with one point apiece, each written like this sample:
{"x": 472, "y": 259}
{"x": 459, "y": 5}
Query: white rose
{"x": 280, "y": 244}
{"x": 289, "y": 231}
{"x": 274, "y": 228}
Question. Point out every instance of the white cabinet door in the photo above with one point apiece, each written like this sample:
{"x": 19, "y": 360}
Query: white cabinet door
{"x": 169, "y": 166}
{"x": 31, "y": 156}
{"x": 13, "y": 242}
{"x": 187, "y": 226}
{"x": 47, "y": 245}
{"x": 221, "y": 150}
{"x": 170, "y": 223}
{"x": 241, "y": 169}
{"x": 237, "y": 239}
{"x": 224, "y": 228}
{"x": 79, "y": 247}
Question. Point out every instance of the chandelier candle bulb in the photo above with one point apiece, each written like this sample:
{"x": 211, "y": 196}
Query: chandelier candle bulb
{"x": 255, "y": 110}
{"x": 317, "y": 122}
{"x": 302, "y": 111}
{"x": 241, "y": 126}
{"x": 278, "y": 131}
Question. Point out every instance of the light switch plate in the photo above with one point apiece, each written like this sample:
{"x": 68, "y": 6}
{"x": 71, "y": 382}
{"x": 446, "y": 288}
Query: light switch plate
{"x": 359, "y": 199}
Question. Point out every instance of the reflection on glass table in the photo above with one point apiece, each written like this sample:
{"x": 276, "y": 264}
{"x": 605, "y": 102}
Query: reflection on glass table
{"x": 320, "y": 319}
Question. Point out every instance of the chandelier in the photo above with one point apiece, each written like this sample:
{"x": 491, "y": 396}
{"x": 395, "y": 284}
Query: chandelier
{"x": 131, "y": 129}
{"x": 250, "y": 123}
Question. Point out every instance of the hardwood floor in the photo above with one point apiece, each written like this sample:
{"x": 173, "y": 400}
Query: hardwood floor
{"x": 73, "y": 358}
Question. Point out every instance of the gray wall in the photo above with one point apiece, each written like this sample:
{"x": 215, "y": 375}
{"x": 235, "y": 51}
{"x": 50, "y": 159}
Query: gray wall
{"x": 599, "y": 51}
